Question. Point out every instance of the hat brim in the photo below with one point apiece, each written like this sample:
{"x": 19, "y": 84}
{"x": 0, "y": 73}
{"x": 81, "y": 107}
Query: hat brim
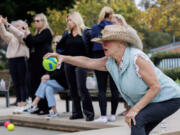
{"x": 97, "y": 40}
{"x": 126, "y": 38}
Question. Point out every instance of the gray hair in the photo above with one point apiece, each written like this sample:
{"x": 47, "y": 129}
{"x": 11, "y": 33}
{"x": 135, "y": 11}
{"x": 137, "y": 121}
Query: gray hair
{"x": 15, "y": 23}
{"x": 119, "y": 18}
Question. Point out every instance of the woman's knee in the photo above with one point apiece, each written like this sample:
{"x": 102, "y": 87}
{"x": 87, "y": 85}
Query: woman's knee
{"x": 140, "y": 120}
{"x": 49, "y": 90}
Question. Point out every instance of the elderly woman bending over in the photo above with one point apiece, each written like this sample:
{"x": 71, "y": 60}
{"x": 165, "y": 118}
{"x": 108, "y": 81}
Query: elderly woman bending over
{"x": 151, "y": 94}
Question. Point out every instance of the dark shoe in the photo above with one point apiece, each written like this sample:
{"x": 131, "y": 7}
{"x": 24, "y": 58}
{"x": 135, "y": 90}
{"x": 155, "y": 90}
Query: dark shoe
{"x": 41, "y": 112}
{"x": 36, "y": 112}
{"x": 13, "y": 104}
{"x": 89, "y": 118}
{"x": 74, "y": 117}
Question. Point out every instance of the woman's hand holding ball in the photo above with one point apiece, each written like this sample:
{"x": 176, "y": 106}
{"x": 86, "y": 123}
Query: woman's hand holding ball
{"x": 59, "y": 57}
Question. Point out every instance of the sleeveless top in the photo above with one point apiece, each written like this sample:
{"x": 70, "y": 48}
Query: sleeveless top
{"x": 130, "y": 84}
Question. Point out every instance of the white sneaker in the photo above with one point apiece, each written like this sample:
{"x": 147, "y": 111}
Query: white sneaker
{"x": 102, "y": 119}
{"x": 32, "y": 109}
{"x": 111, "y": 118}
{"x": 52, "y": 115}
{"x": 29, "y": 101}
{"x": 26, "y": 108}
{"x": 18, "y": 110}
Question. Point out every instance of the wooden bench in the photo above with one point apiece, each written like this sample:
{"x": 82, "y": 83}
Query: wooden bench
{"x": 5, "y": 75}
{"x": 65, "y": 95}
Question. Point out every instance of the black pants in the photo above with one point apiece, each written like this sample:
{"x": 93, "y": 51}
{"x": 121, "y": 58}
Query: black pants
{"x": 36, "y": 71}
{"x": 102, "y": 78}
{"x": 18, "y": 71}
{"x": 76, "y": 79}
{"x": 152, "y": 115}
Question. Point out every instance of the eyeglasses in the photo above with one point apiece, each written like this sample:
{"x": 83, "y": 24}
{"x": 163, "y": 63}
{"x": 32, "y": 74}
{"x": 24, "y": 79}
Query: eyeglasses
{"x": 54, "y": 42}
{"x": 37, "y": 21}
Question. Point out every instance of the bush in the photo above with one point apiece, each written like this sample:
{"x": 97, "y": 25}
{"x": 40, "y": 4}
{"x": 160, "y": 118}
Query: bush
{"x": 173, "y": 73}
{"x": 156, "y": 58}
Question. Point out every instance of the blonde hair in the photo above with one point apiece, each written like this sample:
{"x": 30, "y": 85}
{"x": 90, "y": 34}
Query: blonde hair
{"x": 15, "y": 23}
{"x": 78, "y": 20}
{"x": 58, "y": 37}
{"x": 105, "y": 12}
{"x": 120, "y": 18}
{"x": 45, "y": 24}
{"x": 124, "y": 23}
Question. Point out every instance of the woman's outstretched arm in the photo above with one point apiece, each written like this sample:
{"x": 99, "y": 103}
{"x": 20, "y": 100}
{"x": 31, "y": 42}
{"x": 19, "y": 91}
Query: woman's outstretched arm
{"x": 81, "y": 61}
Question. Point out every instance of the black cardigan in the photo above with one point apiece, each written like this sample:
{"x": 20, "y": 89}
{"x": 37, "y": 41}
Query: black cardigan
{"x": 39, "y": 44}
{"x": 59, "y": 76}
{"x": 86, "y": 37}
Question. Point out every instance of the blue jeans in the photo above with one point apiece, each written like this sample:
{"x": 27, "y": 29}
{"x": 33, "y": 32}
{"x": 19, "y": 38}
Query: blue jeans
{"x": 47, "y": 89}
{"x": 152, "y": 115}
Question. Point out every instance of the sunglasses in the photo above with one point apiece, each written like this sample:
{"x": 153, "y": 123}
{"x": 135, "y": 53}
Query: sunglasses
{"x": 54, "y": 42}
{"x": 37, "y": 21}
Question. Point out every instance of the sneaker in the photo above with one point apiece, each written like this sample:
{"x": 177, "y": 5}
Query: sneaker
{"x": 52, "y": 115}
{"x": 26, "y": 108}
{"x": 102, "y": 119}
{"x": 29, "y": 101}
{"x": 32, "y": 109}
{"x": 111, "y": 118}
{"x": 18, "y": 110}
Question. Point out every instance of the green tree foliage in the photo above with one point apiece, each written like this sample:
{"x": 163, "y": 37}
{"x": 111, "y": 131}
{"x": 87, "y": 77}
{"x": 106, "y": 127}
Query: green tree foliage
{"x": 153, "y": 39}
{"x": 17, "y": 9}
{"x": 90, "y": 10}
{"x": 164, "y": 16}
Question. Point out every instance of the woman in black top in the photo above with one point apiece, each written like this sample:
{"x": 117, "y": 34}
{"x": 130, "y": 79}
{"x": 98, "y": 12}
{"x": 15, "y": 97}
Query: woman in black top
{"x": 74, "y": 43}
{"x": 51, "y": 83}
{"x": 39, "y": 44}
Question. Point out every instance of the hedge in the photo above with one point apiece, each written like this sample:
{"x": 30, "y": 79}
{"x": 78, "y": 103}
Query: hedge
{"x": 156, "y": 58}
{"x": 173, "y": 73}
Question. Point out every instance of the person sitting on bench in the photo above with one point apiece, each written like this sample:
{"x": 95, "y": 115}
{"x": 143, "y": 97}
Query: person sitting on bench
{"x": 50, "y": 83}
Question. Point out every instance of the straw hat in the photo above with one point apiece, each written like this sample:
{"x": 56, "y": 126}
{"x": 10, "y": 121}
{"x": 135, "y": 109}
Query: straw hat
{"x": 122, "y": 33}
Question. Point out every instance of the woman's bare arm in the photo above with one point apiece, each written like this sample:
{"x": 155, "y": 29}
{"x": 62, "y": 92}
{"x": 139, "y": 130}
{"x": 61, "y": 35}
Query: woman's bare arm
{"x": 147, "y": 73}
{"x": 81, "y": 61}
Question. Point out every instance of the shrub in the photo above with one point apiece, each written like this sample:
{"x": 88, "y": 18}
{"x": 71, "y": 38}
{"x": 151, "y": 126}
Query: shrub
{"x": 173, "y": 73}
{"x": 156, "y": 58}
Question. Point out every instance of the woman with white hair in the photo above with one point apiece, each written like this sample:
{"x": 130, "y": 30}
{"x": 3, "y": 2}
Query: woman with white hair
{"x": 105, "y": 18}
{"x": 75, "y": 42}
{"x": 39, "y": 44}
{"x": 17, "y": 54}
{"x": 120, "y": 20}
{"x": 152, "y": 95}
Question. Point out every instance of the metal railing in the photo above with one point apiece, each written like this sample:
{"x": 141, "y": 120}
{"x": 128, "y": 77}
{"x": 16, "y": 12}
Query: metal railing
{"x": 169, "y": 63}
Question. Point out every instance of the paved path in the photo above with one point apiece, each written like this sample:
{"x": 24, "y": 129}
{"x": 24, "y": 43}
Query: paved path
{"x": 172, "y": 123}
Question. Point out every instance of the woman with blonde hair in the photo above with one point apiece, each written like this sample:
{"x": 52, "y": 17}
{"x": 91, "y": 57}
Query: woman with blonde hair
{"x": 52, "y": 82}
{"x": 151, "y": 94}
{"x": 55, "y": 41}
{"x": 75, "y": 42}
{"x": 105, "y": 18}
{"x": 39, "y": 44}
